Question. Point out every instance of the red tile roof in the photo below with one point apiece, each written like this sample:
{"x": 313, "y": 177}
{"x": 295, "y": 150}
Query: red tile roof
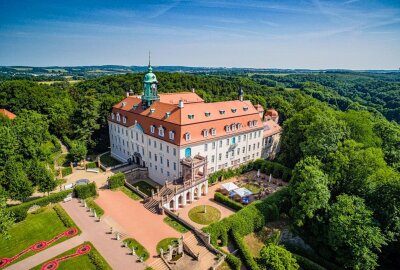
{"x": 7, "y": 114}
{"x": 193, "y": 117}
{"x": 173, "y": 98}
{"x": 271, "y": 128}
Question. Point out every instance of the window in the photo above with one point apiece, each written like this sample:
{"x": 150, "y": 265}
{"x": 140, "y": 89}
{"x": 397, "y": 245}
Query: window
{"x": 227, "y": 128}
{"x": 213, "y": 131}
{"x": 220, "y": 143}
{"x": 137, "y": 136}
{"x": 167, "y": 149}
{"x": 250, "y": 123}
{"x": 152, "y": 128}
{"x": 112, "y": 116}
{"x": 162, "y": 171}
{"x": 188, "y": 152}
{"x": 250, "y": 136}
{"x": 255, "y": 123}
{"x": 161, "y": 160}
{"x": 149, "y": 154}
{"x": 126, "y": 133}
{"x": 167, "y": 163}
{"x": 233, "y": 110}
{"x": 222, "y": 111}
{"x": 124, "y": 119}
{"x": 233, "y": 140}
{"x": 226, "y": 154}
{"x": 219, "y": 156}
{"x": 161, "y": 146}
{"x": 258, "y": 145}
{"x": 171, "y": 135}
{"x": 212, "y": 158}
{"x": 227, "y": 141}
{"x": 149, "y": 141}
{"x": 155, "y": 167}
{"x": 161, "y": 131}
{"x": 213, "y": 145}
{"x": 174, "y": 166}
{"x": 239, "y": 138}
{"x": 155, "y": 144}
{"x": 151, "y": 165}
{"x": 249, "y": 147}
{"x": 244, "y": 137}
{"x": 254, "y": 146}
{"x": 238, "y": 151}
{"x": 191, "y": 116}
{"x": 207, "y": 114}
{"x": 118, "y": 117}
{"x": 174, "y": 152}
{"x": 245, "y": 108}
{"x": 239, "y": 126}
{"x": 155, "y": 157}
{"x": 187, "y": 136}
{"x": 233, "y": 127}
{"x": 206, "y": 147}
{"x": 205, "y": 133}
{"x": 168, "y": 174}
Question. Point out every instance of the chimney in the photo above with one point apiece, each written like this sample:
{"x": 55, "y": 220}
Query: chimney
{"x": 180, "y": 104}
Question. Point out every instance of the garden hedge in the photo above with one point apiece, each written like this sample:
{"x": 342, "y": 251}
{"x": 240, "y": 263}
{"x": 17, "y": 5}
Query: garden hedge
{"x": 116, "y": 180}
{"x": 63, "y": 216}
{"x": 85, "y": 191}
{"x": 305, "y": 263}
{"x": 233, "y": 261}
{"x": 97, "y": 261}
{"x": 249, "y": 219}
{"x": 91, "y": 165}
{"x": 244, "y": 251}
{"x": 221, "y": 198}
{"x": 20, "y": 211}
{"x": 66, "y": 171}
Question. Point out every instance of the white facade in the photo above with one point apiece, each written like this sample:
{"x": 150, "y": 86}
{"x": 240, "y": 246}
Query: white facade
{"x": 163, "y": 159}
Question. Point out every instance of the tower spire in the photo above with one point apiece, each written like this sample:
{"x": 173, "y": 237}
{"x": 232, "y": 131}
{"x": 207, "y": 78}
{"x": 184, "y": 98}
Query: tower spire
{"x": 149, "y": 59}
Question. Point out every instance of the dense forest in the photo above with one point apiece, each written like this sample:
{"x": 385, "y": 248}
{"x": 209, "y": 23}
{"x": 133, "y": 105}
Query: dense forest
{"x": 340, "y": 137}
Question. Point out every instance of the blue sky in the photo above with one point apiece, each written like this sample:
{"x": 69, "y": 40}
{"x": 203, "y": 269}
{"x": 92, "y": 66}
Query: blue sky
{"x": 352, "y": 34}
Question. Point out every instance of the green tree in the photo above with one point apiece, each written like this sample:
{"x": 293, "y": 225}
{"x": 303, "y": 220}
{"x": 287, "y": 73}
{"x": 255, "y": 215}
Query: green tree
{"x": 48, "y": 183}
{"x": 274, "y": 257}
{"x": 353, "y": 234}
{"x": 6, "y": 219}
{"x": 78, "y": 150}
{"x": 8, "y": 145}
{"x": 309, "y": 190}
{"x": 390, "y": 136}
{"x": 16, "y": 181}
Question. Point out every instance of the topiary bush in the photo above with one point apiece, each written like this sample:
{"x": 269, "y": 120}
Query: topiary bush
{"x": 116, "y": 180}
{"x": 85, "y": 191}
{"x": 227, "y": 201}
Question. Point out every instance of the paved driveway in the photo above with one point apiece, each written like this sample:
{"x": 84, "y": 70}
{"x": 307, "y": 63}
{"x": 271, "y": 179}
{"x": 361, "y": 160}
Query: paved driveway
{"x": 135, "y": 220}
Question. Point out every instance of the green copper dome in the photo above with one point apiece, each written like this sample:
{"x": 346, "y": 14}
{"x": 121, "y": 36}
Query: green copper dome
{"x": 150, "y": 77}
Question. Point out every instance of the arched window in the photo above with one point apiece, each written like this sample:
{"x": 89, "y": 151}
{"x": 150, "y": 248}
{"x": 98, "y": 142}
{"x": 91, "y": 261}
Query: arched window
{"x": 171, "y": 135}
{"x": 161, "y": 131}
{"x": 152, "y": 129}
{"x": 187, "y": 136}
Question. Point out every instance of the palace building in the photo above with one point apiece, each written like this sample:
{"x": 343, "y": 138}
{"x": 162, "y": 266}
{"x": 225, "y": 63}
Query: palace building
{"x": 180, "y": 139}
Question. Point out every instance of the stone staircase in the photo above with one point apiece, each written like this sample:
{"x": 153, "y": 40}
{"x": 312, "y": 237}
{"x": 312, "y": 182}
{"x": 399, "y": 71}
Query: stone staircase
{"x": 152, "y": 205}
{"x": 198, "y": 248}
{"x": 159, "y": 264}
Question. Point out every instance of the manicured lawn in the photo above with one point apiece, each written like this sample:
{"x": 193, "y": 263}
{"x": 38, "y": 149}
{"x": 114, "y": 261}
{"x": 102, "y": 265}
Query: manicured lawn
{"x": 90, "y": 203}
{"x": 108, "y": 161}
{"x": 165, "y": 243}
{"x": 41, "y": 226}
{"x": 252, "y": 187}
{"x": 139, "y": 249}
{"x": 144, "y": 187}
{"x": 198, "y": 215}
{"x": 176, "y": 224}
{"x": 130, "y": 193}
{"x": 85, "y": 261}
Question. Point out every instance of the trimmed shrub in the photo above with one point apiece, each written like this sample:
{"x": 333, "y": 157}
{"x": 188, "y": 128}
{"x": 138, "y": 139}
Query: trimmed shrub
{"x": 86, "y": 191}
{"x": 233, "y": 261}
{"x": 244, "y": 252}
{"x": 20, "y": 211}
{"x": 305, "y": 263}
{"x": 63, "y": 216}
{"x": 66, "y": 171}
{"x": 227, "y": 201}
{"x": 91, "y": 165}
{"x": 116, "y": 180}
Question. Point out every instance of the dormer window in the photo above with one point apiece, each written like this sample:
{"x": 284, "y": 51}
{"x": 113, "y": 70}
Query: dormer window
{"x": 124, "y": 119}
{"x": 239, "y": 126}
{"x": 250, "y": 123}
{"x": 161, "y": 131}
{"x": 245, "y": 108}
{"x": 213, "y": 131}
{"x": 191, "y": 116}
{"x": 233, "y": 110}
{"x": 233, "y": 127}
{"x": 171, "y": 135}
{"x": 255, "y": 123}
{"x": 152, "y": 129}
{"x": 205, "y": 133}
{"x": 134, "y": 107}
{"x": 207, "y": 114}
{"x": 187, "y": 136}
{"x": 118, "y": 117}
{"x": 227, "y": 128}
{"x": 112, "y": 116}
{"x": 222, "y": 111}
{"x": 123, "y": 104}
